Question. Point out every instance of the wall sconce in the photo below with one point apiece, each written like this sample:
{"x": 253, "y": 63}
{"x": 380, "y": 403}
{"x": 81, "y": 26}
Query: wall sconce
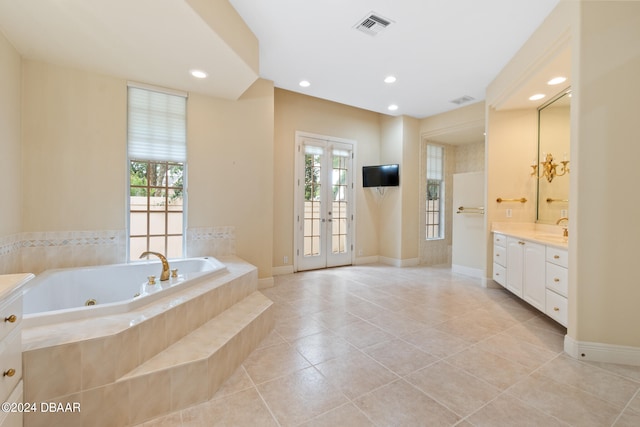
{"x": 548, "y": 168}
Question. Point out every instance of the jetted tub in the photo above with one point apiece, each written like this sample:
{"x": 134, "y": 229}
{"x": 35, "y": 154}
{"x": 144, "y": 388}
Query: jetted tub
{"x": 67, "y": 294}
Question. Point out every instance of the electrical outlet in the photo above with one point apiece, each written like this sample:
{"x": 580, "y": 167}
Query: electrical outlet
{"x": 286, "y": 259}
{"x": 563, "y": 213}
{"x": 509, "y": 213}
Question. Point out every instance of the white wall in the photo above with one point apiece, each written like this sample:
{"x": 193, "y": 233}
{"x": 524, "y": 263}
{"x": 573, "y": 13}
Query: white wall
{"x": 230, "y": 175}
{"x": 604, "y": 231}
{"x": 604, "y": 38}
{"x": 296, "y": 112}
{"x": 73, "y": 171}
{"x": 10, "y": 118}
{"x": 10, "y": 84}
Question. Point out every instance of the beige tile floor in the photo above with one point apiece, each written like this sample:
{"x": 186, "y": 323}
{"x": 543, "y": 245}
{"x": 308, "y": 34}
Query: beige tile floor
{"x": 384, "y": 346}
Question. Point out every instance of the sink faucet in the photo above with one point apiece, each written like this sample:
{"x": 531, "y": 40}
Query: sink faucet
{"x": 565, "y": 230}
{"x": 165, "y": 264}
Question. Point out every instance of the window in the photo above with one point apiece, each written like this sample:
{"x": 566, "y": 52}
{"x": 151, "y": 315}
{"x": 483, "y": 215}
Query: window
{"x": 157, "y": 171}
{"x": 435, "y": 193}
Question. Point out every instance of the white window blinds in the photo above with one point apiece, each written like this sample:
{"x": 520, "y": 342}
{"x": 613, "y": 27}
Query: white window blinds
{"x": 156, "y": 125}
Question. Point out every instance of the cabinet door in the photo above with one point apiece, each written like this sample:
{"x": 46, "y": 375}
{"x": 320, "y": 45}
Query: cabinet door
{"x": 534, "y": 275}
{"x": 515, "y": 250}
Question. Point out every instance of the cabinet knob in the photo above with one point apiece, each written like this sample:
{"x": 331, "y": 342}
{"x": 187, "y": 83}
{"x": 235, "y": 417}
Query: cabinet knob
{"x": 497, "y": 274}
{"x": 556, "y": 309}
{"x": 520, "y": 242}
{"x": 555, "y": 279}
{"x": 556, "y": 257}
{"x": 497, "y": 255}
{"x": 11, "y": 319}
{"x": 9, "y": 373}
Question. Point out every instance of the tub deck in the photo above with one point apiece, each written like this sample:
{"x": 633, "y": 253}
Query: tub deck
{"x": 141, "y": 361}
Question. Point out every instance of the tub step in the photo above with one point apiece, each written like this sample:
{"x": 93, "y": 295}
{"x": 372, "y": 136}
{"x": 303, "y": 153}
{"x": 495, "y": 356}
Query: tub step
{"x": 191, "y": 370}
{"x": 209, "y": 338}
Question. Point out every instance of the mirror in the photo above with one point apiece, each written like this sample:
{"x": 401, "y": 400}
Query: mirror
{"x": 553, "y": 158}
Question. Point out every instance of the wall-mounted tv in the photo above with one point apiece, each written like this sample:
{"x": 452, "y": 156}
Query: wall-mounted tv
{"x": 381, "y": 176}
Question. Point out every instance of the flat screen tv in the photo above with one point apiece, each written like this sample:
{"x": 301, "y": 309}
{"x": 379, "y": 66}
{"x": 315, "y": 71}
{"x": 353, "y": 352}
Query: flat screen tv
{"x": 381, "y": 176}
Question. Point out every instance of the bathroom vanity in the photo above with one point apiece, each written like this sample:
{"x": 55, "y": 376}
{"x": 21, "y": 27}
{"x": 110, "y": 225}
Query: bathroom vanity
{"x": 11, "y": 348}
{"x": 532, "y": 263}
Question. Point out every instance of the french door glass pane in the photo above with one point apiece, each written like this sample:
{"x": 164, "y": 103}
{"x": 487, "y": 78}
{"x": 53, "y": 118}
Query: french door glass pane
{"x": 339, "y": 205}
{"x": 312, "y": 204}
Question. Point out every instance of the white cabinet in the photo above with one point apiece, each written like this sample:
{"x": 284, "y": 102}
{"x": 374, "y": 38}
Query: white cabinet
{"x": 11, "y": 347}
{"x": 533, "y": 271}
{"x": 515, "y": 265}
{"x": 500, "y": 258}
{"x": 557, "y": 285}
{"x": 526, "y": 271}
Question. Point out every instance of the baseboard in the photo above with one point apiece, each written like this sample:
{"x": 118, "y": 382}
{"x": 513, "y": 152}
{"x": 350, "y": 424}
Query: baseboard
{"x": 491, "y": 284}
{"x": 265, "y": 283}
{"x": 282, "y": 270}
{"x": 409, "y": 262}
{"x": 366, "y": 260}
{"x": 599, "y": 352}
{"x": 468, "y": 271}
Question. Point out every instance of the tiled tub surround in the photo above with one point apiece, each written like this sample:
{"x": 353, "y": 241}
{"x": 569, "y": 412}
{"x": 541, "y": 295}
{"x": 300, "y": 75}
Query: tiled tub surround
{"x": 36, "y": 252}
{"x": 44, "y": 251}
{"x": 124, "y": 369}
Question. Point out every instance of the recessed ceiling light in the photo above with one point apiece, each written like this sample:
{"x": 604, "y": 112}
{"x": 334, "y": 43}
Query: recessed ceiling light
{"x": 556, "y": 80}
{"x": 304, "y": 83}
{"x": 392, "y": 107}
{"x": 390, "y": 79}
{"x": 199, "y": 74}
{"x": 537, "y": 96}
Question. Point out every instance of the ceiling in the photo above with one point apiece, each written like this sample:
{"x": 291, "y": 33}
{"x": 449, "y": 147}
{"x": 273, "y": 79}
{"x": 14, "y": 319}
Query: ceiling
{"x": 439, "y": 50}
{"x": 148, "y": 41}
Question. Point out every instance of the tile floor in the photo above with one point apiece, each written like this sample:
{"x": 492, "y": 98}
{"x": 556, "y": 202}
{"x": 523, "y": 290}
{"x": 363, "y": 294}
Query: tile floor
{"x": 383, "y": 346}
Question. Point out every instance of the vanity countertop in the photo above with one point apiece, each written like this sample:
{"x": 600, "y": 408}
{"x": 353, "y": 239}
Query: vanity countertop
{"x": 539, "y": 233}
{"x": 12, "y": 282}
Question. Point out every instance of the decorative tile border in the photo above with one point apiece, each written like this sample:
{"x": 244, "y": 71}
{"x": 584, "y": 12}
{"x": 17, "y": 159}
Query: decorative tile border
{"x": 10, "y": 244}
{"x": 211, "y": 233}
{"x": 39, "y": 251}
{"x": 213, "y": 241}
{"x": 73, "y": 238}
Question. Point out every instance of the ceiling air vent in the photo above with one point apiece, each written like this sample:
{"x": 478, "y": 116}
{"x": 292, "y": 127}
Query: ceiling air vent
{"x": 372, "y": 24}
{"x": 463, "y": 100}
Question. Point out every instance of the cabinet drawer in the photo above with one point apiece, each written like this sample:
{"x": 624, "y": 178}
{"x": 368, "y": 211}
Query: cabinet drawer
{"x": 499, "y": 240}
{"x": 13, "y": 419}
{"x": 558, "y": 256}
{"x": 557, "y": 279}
{"x": 557, "y": 307}
{"x": 499, "y": 274}
{"x": 10, "y": 315}
{"x": 10, "y": 363}
{"x": 500, "y": 255}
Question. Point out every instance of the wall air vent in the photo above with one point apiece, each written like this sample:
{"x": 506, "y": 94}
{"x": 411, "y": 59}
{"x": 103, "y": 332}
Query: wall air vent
{"x": 372, "y": 24}
{"x": 463, "y": 100}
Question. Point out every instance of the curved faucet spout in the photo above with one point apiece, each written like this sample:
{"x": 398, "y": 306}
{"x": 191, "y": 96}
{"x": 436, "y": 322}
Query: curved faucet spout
{"x": 165, "y": 264}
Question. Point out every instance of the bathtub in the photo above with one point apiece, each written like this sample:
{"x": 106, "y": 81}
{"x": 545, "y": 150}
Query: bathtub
{"x": 68, "y": 294}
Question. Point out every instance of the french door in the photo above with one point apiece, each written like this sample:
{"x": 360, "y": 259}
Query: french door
{"x": 324, "y": 211}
